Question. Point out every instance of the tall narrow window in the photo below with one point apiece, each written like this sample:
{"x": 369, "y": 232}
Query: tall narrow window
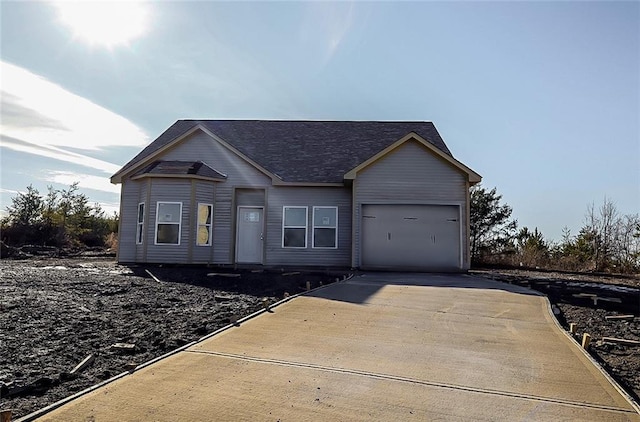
{"x": 294, "y": 227}
{"x": 140, "y": 226}
{"x": 205, "y": 215}
{"x": 168, "y": 223}
{"x": 325, "y": 227}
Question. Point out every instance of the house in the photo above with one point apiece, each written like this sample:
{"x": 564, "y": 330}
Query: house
{"x": 361, "y": 194}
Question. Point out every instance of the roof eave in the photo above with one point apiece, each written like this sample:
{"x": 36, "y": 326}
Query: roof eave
{"x": 178, "y": 176}
{"x": 308, "y": 184}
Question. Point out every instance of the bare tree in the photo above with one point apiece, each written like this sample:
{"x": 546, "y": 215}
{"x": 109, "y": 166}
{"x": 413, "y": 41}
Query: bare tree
{"x": 615, "y": 239}
{"x": 601, "y": 224}
{"x": 626, "y": 251}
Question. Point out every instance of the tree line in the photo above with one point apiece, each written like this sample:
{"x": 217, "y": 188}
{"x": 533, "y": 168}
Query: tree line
{"x": 606, "y": 242}
{"x": 62, "y": 218}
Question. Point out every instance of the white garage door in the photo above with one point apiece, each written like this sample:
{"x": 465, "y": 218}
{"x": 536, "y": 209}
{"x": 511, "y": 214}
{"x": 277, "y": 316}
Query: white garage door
{"x": 411, "y": 237}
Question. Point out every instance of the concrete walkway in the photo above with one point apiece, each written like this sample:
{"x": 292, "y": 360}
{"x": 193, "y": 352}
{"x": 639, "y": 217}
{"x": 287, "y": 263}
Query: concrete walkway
{"x": 379, "y": 347}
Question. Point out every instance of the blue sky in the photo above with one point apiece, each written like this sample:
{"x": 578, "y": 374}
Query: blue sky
{"x": 541, "y": 98}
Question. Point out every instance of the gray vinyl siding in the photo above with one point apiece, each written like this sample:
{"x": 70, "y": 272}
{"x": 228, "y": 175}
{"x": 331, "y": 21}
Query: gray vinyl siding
{"x": 129, "y": 196}
{"x": 169, "y": 190}
{"x": 223, "y": 225}
{"x": 250, "y": 197}
{"x": 278, "y": 197}
{"x": 409, "y": 175}
{"x": 202, "y": 147}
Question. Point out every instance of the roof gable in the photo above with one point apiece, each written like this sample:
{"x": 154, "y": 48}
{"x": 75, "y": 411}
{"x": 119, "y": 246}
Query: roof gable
{"x": 472, "y": 175}
{"x": 294, "y": 152}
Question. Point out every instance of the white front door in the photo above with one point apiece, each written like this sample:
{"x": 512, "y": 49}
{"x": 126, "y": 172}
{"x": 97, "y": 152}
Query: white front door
{"x": 250, "y": 235}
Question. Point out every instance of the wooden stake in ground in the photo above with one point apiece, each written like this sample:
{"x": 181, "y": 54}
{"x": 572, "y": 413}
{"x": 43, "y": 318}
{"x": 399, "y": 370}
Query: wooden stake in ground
{"x": 621, "y": 341}
{"x": 5, "y": 415}
{"x": 586, "y": 339}
{"x": 621, "y": 317}
{"x": 82, "y": 365}
{"x": 153, "y": 276}
{"x": 228, "y": 275}
{"x": 124, "y": 347}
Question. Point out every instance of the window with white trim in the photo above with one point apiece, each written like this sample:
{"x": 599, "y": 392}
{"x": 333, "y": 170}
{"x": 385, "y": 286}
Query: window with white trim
{"x": 168, "y": 223}
{"x": 140, "y": 224}
{"x": 294, "y": 227}
{"x": 325, "y": 227}
{"x": 205, "y": 217}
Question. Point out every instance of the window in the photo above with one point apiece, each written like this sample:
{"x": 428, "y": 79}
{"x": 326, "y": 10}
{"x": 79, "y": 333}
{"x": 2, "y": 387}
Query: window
{"x": 294, "y": 227}
{"x": 168, "y": 222}
{"x": 325, "y": 227}
{"x": 205, "y": 215}
{"x": 140, "y": 227}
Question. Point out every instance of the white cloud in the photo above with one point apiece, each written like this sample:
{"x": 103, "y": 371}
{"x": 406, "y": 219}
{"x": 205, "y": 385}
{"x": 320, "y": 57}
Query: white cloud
{"x": 109, "y": 208}
{"x": 86, "y": 181}
{"x": 331, "y": 21}
{"x": 42, "y": 113}
{"x": 10, "y": 191}
{"x": 338, "y": 27}
{"x": 59, "y": 154}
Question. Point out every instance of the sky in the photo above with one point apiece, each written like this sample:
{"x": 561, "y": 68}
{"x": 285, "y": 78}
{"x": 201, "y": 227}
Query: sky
{"x": 540, "y": 98}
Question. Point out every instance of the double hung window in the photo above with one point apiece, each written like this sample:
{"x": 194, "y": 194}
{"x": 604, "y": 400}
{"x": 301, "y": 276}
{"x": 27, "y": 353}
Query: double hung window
{"x": 294, "y": 227}
{"x": 168, "y": 223}
{"x": 325, "y": 227}
{"x": 140, "y": 225}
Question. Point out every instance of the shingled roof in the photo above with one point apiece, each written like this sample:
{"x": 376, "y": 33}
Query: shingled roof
{"x": 302, "y": 151}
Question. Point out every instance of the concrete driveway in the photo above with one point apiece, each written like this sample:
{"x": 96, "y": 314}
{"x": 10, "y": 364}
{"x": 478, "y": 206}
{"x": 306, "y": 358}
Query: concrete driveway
{"x": 379, "y": 347}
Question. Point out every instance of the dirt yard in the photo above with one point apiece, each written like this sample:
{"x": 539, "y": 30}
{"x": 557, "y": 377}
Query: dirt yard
{"x": 54, "y": 313}
{"x": 601, "y": 306}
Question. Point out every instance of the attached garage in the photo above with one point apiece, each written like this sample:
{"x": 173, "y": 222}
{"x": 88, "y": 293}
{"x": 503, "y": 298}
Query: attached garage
{"x": 421, "y": 237}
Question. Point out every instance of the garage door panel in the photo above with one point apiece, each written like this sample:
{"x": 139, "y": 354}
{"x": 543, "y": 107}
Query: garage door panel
{"x": 411, "y": 236}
